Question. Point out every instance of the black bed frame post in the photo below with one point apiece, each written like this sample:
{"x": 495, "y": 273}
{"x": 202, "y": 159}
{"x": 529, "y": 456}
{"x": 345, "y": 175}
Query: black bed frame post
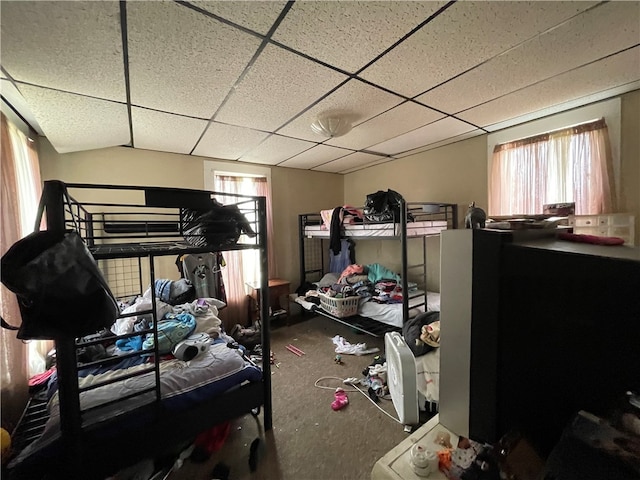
{"x": 454, "y": 214}
{"x": 404, "y": 272}
{"x": 67, "y": 367}
{"x": 303, "y": 273}
{"x": 264, "y": 311}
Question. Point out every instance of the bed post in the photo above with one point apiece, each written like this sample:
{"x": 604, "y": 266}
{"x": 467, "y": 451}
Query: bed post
{"x": 303, "y": 273}
{"x": 404, "y": 272}
{"x": 67, "y": 368}
{"x": 264, "y": 311}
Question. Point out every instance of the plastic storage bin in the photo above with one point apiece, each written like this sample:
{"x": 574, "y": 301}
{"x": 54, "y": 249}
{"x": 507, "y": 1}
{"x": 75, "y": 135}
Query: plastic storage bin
{"x": 339, "y": 307}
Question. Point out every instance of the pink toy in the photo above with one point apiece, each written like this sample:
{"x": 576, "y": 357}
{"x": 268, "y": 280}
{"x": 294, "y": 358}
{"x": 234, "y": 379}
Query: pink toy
{"x": 341, "y": 399}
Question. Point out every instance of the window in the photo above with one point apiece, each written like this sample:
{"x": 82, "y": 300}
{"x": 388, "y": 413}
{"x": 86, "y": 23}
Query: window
{"x": 20, "y": 194}
{"x": 569, "y": 165}
{"x": 243, "y": 266}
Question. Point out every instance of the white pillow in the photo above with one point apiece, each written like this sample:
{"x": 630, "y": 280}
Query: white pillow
{"x": 328, "y": 280}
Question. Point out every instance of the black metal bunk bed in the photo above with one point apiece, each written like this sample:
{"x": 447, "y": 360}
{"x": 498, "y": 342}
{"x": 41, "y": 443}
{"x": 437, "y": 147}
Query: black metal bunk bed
{"x": 141, "y": 230}
{"x": 417, "y": 221}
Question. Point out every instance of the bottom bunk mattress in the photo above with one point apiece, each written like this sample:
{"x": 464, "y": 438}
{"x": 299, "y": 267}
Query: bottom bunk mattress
{"x": 388, "y": 313}
{"x": 391, "y": 313}
{"x": 184, "y": 385}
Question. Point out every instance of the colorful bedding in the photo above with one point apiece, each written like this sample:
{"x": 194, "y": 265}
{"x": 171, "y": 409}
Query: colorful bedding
{"x": 182, "y": 384}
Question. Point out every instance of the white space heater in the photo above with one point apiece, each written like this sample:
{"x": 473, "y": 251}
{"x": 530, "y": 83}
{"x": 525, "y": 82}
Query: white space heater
{"x": 401, "y": 379}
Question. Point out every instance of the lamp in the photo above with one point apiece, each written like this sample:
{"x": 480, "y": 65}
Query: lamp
{"x": 329, "y": 126}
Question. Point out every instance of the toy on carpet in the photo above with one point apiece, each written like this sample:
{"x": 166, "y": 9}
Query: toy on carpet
{"x": 341, "y": 399}
{"x": 295, "y": 350}
{"x": 338, "y": 360}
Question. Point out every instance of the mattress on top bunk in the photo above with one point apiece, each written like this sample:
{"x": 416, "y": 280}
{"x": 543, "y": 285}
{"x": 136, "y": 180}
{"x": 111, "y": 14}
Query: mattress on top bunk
{"x": 415, "y": 229}
{"x": 182, "y": 385}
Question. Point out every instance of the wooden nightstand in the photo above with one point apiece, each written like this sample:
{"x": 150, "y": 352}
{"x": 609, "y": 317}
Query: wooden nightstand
{"x": 278, "y": 299}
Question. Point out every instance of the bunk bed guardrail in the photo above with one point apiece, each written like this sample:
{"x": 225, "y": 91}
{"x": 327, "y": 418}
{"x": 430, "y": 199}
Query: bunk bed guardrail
{"x": 136, "y": 222}
{"x": 416, "y": 220}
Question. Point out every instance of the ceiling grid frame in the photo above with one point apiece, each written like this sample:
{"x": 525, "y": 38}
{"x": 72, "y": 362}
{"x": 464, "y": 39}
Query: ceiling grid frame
{"x": 44, "y": 101}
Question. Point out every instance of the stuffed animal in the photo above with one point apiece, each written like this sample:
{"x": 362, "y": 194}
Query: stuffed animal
{"x": 475, "y": 218}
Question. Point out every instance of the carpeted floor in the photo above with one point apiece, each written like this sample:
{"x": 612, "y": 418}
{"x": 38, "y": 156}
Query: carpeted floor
{"x": 309, "y": 440}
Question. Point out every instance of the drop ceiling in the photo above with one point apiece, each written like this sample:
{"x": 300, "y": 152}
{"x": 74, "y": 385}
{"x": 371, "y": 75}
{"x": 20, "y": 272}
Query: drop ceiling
{"x": 244, "y": 80}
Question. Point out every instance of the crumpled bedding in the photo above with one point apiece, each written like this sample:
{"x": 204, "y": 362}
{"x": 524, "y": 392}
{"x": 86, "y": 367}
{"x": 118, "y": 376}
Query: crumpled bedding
{"x": 182, "y": 384}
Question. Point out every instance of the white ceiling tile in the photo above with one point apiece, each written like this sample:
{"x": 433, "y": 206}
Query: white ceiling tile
{"x": 182, "y": 61}
{"x": 88, "y": 124}
{"x": 573, "y": 44}
{"x": 71, "y": 46}
{"x": 228, "y": 142}
{"x": 164, "y": 131}
{"x": 616, "y": 70}
{"x": 434, "y": 132}
{"x": 278, "y": 86}
{"x": 191, "y": 62}
{"x": 355, "y": 100}
{"x": 353, "y": 161}
{"x": 401, "y": 119}
{"x": 566, "y": 106}
{"x": 276, "y": 149}
{"x": 442, "y": 143}
{"x": 372, "y": 164}
{"x": 465, "y": 34}
{"x": 12, "y": 96}
{"x": 315, "y": 156}
{"x": 258, "y": 16}
{"x": 350, "y": 34}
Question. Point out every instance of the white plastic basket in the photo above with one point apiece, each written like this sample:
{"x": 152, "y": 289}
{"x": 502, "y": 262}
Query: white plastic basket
{"x": 339, "y": 307}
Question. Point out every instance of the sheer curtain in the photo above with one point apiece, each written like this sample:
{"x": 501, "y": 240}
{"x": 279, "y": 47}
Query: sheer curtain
{"x": 569, "y": 165}
{"x": 21, "y": 189}
{"x": 244, "y": 266}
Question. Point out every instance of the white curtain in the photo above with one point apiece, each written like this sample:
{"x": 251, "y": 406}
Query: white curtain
{"x": 21, "y": 190}
{"x": 569, "y": 165}
{"x": 244, "y": 266}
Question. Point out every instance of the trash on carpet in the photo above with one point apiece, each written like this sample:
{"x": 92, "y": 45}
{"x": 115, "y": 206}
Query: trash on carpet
{"x": 344, "y": 347}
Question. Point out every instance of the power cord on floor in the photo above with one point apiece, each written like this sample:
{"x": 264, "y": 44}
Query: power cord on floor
{"x": 356, "y": 389}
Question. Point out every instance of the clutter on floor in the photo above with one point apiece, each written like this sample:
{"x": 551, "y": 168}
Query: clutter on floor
{"x": 295, "y": 350}
{"x": 344, "y": 347}
{"x": 341, "y": 399}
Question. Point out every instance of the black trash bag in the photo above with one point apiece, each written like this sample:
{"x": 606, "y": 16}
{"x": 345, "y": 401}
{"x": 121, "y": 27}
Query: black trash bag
{"x": 384, "y": 206}
{"x": 216, "y": 226}
{"x": 61, "y": 291}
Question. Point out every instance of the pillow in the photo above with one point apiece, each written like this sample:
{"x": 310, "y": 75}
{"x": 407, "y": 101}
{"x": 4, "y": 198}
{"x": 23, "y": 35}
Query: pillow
{"x": 329, "y": 279}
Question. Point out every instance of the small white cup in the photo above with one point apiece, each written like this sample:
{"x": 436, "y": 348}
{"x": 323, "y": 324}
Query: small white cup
{"x": 424, "y": 461}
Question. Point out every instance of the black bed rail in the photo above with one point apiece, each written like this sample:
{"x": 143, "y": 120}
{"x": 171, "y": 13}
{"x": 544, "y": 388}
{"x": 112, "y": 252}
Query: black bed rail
{"x": 413, "y": 212}
{"x": 440, "y": 215}
{"x": 119, "y": 222}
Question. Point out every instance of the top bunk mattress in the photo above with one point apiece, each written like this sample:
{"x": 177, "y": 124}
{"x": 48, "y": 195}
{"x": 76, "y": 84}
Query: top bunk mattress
{"x": 414, "y": 229}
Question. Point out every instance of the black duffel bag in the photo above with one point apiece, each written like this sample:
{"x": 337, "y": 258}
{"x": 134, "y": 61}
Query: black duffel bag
{"x": 60, "y": 289}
